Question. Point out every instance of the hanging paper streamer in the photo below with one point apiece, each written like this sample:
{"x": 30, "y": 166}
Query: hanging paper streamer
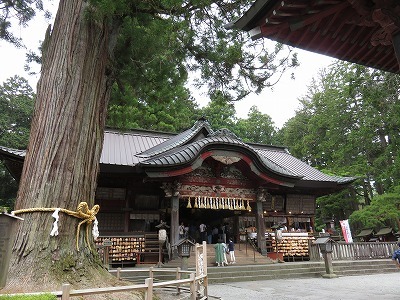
{"x": 95, "y": 230}
{"x": 54, "y": 230}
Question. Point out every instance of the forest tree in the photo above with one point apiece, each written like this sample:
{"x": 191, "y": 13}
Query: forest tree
{"x": 94, "y": 48}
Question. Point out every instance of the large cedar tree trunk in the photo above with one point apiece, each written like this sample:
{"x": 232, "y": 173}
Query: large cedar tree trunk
{"x": 62, "y": 159}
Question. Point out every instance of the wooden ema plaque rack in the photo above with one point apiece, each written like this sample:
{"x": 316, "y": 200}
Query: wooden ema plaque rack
{"x": 123, "y": 250}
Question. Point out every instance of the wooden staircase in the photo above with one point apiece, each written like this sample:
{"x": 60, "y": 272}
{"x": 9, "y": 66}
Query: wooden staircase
{"x": 150, "y": 251}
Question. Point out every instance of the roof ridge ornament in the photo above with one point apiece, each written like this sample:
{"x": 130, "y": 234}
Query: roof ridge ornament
{"x": 224, "y": 132}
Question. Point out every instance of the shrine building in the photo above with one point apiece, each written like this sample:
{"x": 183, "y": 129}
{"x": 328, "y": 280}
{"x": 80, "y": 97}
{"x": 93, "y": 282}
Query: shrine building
{"x": 199, "y": 176}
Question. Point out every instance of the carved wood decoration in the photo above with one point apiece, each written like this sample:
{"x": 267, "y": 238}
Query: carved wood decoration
{"x": 383, "y": 12}
{"x": 228, "y": 176}
{"x": 366, "y": 32}
{"x": 171, "y": 188}
{"x": 229, "y": 183}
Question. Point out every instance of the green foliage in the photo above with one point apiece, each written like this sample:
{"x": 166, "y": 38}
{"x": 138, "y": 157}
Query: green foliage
{"x": 348, "y": 124}
{"x": 23, "y": 11}
{"x": 30, "y": 297}
{"x": 220, "y": 112}
{"x": 16, "y": 105}
{"x": 257, "y": 128}
{"x": 384, "y": 211}
{"x": 160, "y": 42}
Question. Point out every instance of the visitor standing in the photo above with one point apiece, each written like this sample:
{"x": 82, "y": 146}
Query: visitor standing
{"x": 215, "y": 235}
{"x": 225, "y": 252}
{"x": 209, "y": 235}
{"x": 219, "y": 253}
{"x": 181, "y": 231}
{"x": 203, "y": 232}
{"x": 396, "y": 256}
{"x": 231, "y": 248}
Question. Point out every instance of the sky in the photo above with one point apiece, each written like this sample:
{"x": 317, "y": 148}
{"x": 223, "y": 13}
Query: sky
{"x": 279, "y": 102}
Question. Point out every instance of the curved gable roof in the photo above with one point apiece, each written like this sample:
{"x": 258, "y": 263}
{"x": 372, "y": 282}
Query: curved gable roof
{"x": 220, "y": 140}
{"x": 200, "y": 129}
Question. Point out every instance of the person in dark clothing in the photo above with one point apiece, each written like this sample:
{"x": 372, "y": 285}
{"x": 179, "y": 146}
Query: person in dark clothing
{"x": 231, "y": 248}
{"x": 396, "y": 256}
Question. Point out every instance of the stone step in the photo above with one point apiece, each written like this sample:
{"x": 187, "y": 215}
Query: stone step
{"x": 235, "y": 273}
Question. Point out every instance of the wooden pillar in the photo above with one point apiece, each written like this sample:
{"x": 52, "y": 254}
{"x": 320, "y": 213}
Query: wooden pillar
{"x": 171, "y": 190}
{"x": 260, "y": 228}
{"x": 260, "y": 222}
{"x": 174, "y": 222}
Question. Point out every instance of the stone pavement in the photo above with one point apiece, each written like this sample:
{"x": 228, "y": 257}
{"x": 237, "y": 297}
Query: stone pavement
{"x": 378, "y": 286}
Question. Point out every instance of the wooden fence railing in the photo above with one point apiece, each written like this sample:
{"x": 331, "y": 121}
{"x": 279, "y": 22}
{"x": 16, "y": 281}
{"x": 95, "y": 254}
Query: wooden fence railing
{"x": 148, "y": 286}
{"x": 355, "y": 251}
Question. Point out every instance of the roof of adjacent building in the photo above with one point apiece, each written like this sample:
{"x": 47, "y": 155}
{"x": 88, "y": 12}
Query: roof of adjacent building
{"x": 384, "y": 231}
{"x": 147, "y": 150}
{"x": 361, "y": 32}
{"x": 365, "y": 233}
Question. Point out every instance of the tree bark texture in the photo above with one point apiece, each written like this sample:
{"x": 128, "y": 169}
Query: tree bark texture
{"x": 62, "y": 159}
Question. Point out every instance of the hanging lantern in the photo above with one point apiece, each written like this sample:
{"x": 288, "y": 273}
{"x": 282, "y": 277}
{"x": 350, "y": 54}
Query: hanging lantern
{"x": 189, "y": 205}
{"x": 248, "y": 206}
{"x": 196, "y": 200}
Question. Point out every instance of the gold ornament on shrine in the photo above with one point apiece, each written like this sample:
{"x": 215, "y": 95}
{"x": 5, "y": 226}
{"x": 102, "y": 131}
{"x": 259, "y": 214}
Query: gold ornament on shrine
{"x": 189, "y": 205}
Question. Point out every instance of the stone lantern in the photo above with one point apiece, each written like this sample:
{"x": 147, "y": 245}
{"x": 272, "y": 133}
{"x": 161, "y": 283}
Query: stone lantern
{"x": 325, "y": 244}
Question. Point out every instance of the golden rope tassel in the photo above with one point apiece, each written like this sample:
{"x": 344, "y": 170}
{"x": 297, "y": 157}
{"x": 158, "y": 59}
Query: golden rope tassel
{"x": 212, "y": 203}
{"x": 248, "y": 206}
{"x": 83, "y": 212}
{"x": 189, "y": 205}
{"x": 196, "y": 202}
{"x": 208, "y": 200}
{"x": 89, "y": 215}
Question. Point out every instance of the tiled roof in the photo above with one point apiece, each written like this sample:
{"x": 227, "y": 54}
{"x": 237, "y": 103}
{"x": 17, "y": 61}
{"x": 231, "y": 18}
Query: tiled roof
{"x": 365, "y": 232}
{"x": 14, "y": 152}
{"x": 179, "y": 139}
{"x": 122, "y": 148}
{"x": 282, "y": 158}
{"x": 149, "y": 148}
{"x": 384, "y": 231}
{"x": 190, "y": 151}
